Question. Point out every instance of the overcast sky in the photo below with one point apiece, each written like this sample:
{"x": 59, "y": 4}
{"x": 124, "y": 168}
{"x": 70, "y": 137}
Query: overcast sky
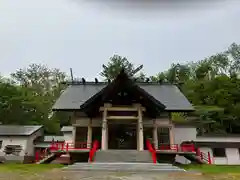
{"x": 83, "y": 34}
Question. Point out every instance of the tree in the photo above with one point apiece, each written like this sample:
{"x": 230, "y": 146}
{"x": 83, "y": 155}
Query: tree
{"x": 115, "y": 65}
{"x": 45, "y": 86}
{"x": 213, "y": 86}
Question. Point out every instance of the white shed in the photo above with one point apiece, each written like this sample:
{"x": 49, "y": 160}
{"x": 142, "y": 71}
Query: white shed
{"x": 17, "y": 142}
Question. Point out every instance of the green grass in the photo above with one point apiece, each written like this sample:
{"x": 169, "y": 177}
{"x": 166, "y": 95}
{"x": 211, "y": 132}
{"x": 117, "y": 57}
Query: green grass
{"x": 213, "y": 169}
{"x": 28, "y": 167}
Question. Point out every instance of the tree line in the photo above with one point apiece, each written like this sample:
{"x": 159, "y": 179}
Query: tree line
{"x": 212, "y": 85}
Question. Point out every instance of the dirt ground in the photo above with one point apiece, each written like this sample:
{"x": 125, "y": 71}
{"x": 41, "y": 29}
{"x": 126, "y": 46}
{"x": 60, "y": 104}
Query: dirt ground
{"x": 58, "y": 174}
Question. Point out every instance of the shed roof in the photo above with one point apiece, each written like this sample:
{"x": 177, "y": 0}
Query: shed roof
{"x": 67, "y": 129}
{"x": 167, "y": 94}
{"x": 18, "y": 130}
{"x": 55, "y": 138}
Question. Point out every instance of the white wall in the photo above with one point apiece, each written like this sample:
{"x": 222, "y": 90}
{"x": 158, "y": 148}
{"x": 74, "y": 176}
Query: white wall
{"x": 184, "y": 134}
{"x": 13, "y": 140}
{"x": 68, "y": 137}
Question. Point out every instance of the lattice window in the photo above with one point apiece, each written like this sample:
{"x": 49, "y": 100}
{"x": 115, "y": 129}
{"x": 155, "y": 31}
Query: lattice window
{"x": 13, "y": 149}
{"x": 163, "y": 135}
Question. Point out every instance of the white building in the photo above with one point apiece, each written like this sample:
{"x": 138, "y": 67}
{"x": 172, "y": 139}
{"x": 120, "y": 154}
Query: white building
{"x": 224, "y": 149}
{"x": 17, "y": 142}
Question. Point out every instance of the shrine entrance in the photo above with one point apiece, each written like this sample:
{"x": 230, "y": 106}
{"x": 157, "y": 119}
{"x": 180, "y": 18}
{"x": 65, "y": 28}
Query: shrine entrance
{"x": 122, "y": 136}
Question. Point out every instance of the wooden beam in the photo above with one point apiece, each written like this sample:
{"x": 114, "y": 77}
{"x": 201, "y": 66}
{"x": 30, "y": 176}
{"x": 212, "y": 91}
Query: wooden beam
{"x": 122, "y": 117}
{"x": 107, "y": 105}
{"x": 121, "y": 109}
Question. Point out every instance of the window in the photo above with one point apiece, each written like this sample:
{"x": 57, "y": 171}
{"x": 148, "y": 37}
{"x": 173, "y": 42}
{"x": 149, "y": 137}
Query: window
{"x": 163, "y": 135}
{"x": 13, "y": 149}
{"x": 219, "y": 152}
{"x": 0, "y": 144}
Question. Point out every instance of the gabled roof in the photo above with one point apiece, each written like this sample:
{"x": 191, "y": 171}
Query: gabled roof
{"x": 169, "y": 95}
{"x": 18, "y": 130}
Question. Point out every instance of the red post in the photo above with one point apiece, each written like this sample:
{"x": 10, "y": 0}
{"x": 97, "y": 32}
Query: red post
{"x": 67, "y": 147}
{"x": 198, "y": 152}
{"x": 201, "y": 155}
{"x": 209, "y": 158}
{"x": 193, "y": 148}
{"x": 62, "y": 146}
{"x": 37, "y": 156}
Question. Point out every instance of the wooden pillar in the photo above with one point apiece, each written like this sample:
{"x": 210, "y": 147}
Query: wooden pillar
{"x": 171, "y": 134}
{"x": 74, "y": 136}
{"x": 89, "y": 135}
{"x": 104, "y": 130}
{"x": 155, "y": 134}
{"x": 171, "y": 129}
{"x": 73, "y": 121}
{"x": 140, "y": 131}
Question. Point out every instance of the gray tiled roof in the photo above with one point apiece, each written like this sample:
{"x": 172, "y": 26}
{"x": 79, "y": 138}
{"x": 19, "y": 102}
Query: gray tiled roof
{"x": 169, "y": 95}
{"x": 67, "y": 129}
{"x": 75, "y": 95}
{"x": 18, "y": 130}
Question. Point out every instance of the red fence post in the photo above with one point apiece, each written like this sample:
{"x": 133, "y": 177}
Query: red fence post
{"x": 193, "y": 148}
{"x": 37, "y": 156}
{"x": 67, "y": 147}
{"x": 198, "y": 152}
{"x": 209, "y": 158}
{"x": 201, "y": 155}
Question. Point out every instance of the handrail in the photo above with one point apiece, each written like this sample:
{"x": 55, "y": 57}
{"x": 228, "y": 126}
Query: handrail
{"x": 40, "y": 155}
{"x": 205, "y": 157}
{"x": 93, "y": 150}
{"x": 152, "y": 151}
{"x": 178, "y": 148}
{"x": 65, "y": 146}
{"x": 184, "y": 148}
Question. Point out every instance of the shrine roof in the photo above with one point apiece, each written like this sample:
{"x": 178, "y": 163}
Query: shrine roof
{"x": 77, "y": 94}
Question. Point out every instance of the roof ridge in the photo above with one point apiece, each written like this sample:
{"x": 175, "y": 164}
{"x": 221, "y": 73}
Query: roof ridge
{"x": 105, "y": 83}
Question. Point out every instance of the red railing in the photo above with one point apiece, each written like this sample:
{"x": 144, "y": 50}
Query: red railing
{"x": 186, "y": 148}
{"x": 39, "y": 155}
{"x": 204, "y": 157}
{"x": 93, "y": 150}
{"x": 152, "y": 151}
{"x": 177, "y": 147}
{"x": 56, "y": 146}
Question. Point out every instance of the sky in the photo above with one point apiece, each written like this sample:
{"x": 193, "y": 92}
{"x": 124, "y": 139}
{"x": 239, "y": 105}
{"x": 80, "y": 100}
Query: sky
{"x": 84, "y": 34}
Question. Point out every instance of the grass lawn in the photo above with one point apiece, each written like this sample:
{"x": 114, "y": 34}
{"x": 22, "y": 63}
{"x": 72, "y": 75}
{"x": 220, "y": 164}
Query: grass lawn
{"x": 214, "y": 169}
{"x": 25, "y": 168}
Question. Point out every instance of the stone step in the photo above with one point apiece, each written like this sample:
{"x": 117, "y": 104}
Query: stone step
{"x": 121, "y": 166}
{"x": 124, "y": 167}
{"x": 120, "y": 163}
{"x": 123, "y": 156}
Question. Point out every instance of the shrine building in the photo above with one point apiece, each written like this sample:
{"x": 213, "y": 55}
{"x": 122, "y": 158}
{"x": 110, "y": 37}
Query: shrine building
{"x": 123, "y": 113}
